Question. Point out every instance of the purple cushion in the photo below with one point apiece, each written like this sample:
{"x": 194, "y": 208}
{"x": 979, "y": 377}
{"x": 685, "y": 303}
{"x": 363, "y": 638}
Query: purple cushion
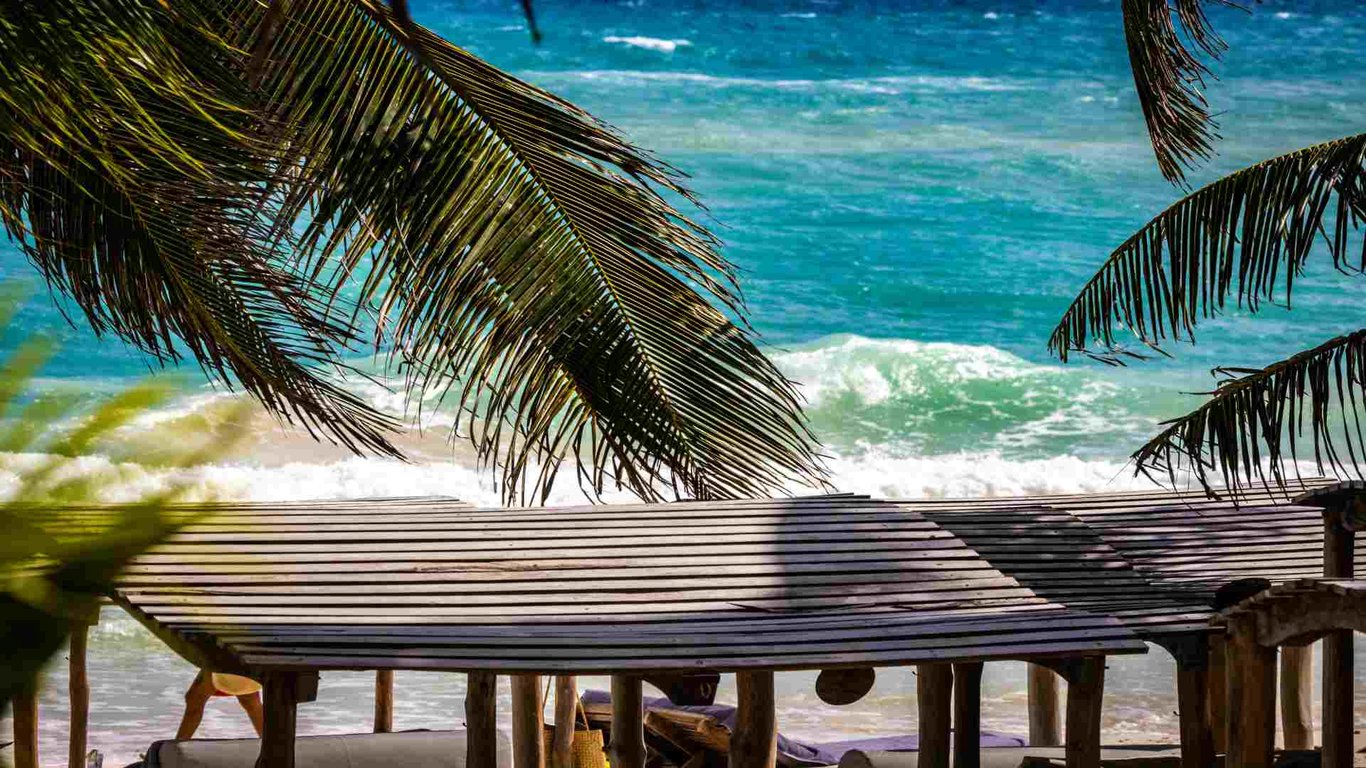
{"x": 797, "y": 752}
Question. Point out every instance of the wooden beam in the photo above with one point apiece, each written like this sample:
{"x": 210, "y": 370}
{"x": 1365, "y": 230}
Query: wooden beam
{"x": 1045, "y": 721}
{"x": 934, "y": 699}
{"x": 1297, "y": 695}
{"x": 284, "y": 691}
{"x": 481, "y": 719}
{"x": 528, "y": 741}
{"x": 1193, "y": 708}
{"x": 1085, "y": 692}
{"x": 967, "y": 715}
{"x": 627, "y": 749}
{"x": 1251, "y": 697}
{"x": 1218, "y": 694}
{"x": 78, "y": 695}
{"x": 1338, "y": 562}
{"x": 566, "y": 708}
{"x": 384, "y": 701}
{"x": 24, "y": 712}
{"x": 755, "y": 741}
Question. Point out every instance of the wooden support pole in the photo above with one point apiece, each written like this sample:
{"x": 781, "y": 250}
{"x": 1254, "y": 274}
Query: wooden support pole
{"x": 24, "y": 712}
{"x": 284, "y": 691}
{"x": 566, "y": 709}
{"x": 1218, "y": 693}
{"x": 1338, "y": 562}
{"x": 934, "y": 700}
{"x": 755, "y": 741}
{"x": 78, "y": 694}
{"x": 1193, "y": 708}
{"x": 384, "y": 701}
{"x": 1297, "y": 695}
{"x": 1085, "y": 692}
{"x": 528, "y": 743}
{"x": 627, "y": 749}
{"x": 481, "y": 719}
{"x": 967, "y": 715}
{"x": 1251, "y": 697}
{"x": 1045, "y": 721}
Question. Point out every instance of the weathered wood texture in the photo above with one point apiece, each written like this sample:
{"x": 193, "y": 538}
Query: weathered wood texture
{"x": 1217, "y": 675}
{"x": 755, "y": 741}
{"x": 1085, "y": 692}
{"x": 1045, "y": 720}
{"x": 1297, "y": 696}
{"x": 1339, "y": 549}
{"x": 1193, "y": 711}
{"x": 1251, "y": 698}
{"x": 283, "y": 692}
{"x": 934, "y": 701}
{"x": 528, "y": 741}
{"x": 384, "y": 701}
{"x": 967, "y": 715}
{"x": 24, "y": 713}
{"x": 78, "y": 696}
{"x": 566, "y": 710}
{"x": 627, "y": 747}
{"x": 481, "y": 719}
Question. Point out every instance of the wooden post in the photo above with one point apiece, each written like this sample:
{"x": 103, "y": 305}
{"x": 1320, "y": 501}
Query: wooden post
{"x": 1251, "y": 697}
{"x": 967, "y": 715}
{"x": 934, "y": 699}
{"x": 384, "y": 701}
{"x": 78, "y": 692}
{"x": 25, "y": 714}
{"x": 1085, "y": 692}
{"x": 1045, "y": 724}
{"x": 755, "y": 741}
{"x": 284, "y": 691}
{"x": 528, "y": 742}
{"x": 481, "y": 719}
{"x": 1338, "y": 562}
{"x": 627, "y": 749}
{"x": 1218, "y": 693}
{"x": 1193, "y": 707}
{"x": 566, "y": 709}
{"x": 1297, "y": 694}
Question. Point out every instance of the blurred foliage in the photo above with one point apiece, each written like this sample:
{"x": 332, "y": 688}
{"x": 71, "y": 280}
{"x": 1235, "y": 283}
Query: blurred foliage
{"x": 62, "y": 546}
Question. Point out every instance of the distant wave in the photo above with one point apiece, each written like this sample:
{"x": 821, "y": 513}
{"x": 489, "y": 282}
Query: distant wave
{"x": 880, "y": 85}
{"x": 648, "y": 43}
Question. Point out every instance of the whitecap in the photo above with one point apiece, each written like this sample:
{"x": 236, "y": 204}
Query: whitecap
{"x": 648, "y": 43}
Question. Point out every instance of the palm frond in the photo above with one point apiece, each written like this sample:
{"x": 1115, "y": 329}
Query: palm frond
{"x": 1166, "y": 42}
{"x": 1258, "y": 422}
{"x": 1247, "y": 235}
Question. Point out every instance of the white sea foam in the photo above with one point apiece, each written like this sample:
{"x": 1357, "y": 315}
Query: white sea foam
{"x": 803, "y": 15}
{"x": 896, "y": 84}
{"x": 648, "y": 43}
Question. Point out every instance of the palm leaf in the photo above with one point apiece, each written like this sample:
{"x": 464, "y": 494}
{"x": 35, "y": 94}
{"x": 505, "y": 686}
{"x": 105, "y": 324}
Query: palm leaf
{"x": 1247, "y": 235}
{"x": 1166, "y": 42}
{"x": 1257, "y": 423}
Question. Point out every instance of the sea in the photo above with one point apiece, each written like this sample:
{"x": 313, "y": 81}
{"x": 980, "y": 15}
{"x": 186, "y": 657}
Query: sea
{"x": 913, "y": 192}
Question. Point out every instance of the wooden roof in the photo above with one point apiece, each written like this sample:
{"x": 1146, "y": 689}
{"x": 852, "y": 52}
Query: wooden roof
{"x": 435, "y": 584}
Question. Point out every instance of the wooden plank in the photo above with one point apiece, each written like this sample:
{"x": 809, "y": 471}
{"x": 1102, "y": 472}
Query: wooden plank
{"x": 384, "y": 701}
{"x": 1085, "y": 692}
{"x": 755, "y": 741}
{"x": 934, "y": 697}
{"x": 627, "y": 748}
{"x": 967, "y": 715}
{"x": 1193, "y": 713}
{"x": 528, "y": 744}
{"x": 78, "y": 696}
{"x": 1297, "y": 696}
{"x": 566, "y": 708}
{"x": 1251, "y": 697}
{"x": 1045, "y": 722}
{"x": 24, "y": 713}
{"x": 481, "y": 723}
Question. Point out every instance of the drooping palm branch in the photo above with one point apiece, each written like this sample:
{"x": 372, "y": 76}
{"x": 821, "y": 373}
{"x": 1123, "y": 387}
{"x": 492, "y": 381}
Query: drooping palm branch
{"x": 261, "y": 185}
{"x": 1167, "y": 40}
{"x": 1246, "y": 236}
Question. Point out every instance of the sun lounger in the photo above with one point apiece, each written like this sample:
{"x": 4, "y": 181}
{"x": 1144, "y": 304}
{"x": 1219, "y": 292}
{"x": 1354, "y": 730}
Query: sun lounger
{"x": 699, "y": 736}
{"x": 411, "y": 749}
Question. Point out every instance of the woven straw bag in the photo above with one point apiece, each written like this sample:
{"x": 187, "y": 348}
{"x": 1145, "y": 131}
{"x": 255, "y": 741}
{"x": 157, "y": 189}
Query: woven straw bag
{"x": 587, "y": 744}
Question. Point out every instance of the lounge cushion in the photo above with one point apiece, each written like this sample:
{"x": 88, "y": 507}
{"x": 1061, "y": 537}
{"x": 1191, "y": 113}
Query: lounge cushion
{"x": 412, "y": 749}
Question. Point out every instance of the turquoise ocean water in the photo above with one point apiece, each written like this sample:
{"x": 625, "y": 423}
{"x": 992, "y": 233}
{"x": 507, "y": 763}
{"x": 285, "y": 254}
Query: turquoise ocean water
{"x": 914, "y": 191}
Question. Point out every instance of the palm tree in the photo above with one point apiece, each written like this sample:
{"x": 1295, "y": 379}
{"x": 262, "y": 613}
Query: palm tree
{"x": 1242, "y": 238}
{"x": 263, "y": 187}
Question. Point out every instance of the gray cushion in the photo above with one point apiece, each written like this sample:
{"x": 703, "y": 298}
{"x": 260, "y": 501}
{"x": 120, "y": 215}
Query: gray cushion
{"x": 413, "y": 749}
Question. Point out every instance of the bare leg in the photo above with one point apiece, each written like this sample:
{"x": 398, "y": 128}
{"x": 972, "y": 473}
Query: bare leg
{"x": 252, "y": 704}
{"x": 201, "y": 690}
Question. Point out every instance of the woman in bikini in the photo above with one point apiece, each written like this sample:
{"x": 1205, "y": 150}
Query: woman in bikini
{"x": 208, "y": 685}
